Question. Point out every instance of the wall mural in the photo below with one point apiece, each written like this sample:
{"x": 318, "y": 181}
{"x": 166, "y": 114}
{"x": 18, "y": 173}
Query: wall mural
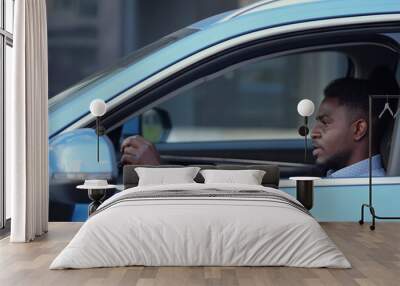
{"x": 243, "y": 109}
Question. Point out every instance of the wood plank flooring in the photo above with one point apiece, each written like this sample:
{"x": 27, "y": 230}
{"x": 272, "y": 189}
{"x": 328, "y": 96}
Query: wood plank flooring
{"x": 375, "y": 257}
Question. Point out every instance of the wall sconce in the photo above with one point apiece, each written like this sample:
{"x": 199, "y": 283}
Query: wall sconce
{"x": 305, "y": 108}
{"x": 98, "y": 108}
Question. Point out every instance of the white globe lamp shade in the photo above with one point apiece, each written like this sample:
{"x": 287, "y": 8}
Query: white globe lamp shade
{"x": 98, "y": 107}
{"x": 305, "y": 107}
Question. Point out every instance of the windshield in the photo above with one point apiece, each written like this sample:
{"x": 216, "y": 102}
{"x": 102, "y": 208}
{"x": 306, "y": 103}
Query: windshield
{"x": 73, "y": 103}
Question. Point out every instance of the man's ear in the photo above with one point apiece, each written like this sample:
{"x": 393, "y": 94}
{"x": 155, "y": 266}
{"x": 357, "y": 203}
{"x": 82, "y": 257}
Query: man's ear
{"x": 360, "y": 129}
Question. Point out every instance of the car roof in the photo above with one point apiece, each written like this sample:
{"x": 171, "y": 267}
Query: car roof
{"x": 304, "y": 10}
{"x": 73, "y": 104}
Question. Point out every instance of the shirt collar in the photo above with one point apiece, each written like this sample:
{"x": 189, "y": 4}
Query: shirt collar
{"x": 358, "y": 169}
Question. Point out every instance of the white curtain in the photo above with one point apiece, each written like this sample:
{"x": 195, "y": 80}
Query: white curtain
{"x": 26, "y": 124}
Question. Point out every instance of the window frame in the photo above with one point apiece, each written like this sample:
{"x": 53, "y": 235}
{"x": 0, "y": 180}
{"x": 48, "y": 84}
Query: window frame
{"x": 6, "y": 39}
{"x": 190, "y": 77}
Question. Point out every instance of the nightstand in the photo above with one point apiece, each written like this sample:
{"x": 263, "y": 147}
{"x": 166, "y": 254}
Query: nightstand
{"x": 305, "y": 190}
{"x": 96, "y": 194}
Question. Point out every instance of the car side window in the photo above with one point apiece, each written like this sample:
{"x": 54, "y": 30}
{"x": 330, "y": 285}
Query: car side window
{"x": 255, "y": 101}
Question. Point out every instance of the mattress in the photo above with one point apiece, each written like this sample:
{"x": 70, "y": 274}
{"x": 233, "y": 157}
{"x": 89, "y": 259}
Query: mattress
{"x": 201, "y": 225}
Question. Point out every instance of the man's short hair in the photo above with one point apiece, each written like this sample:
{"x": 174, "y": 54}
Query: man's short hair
{"x": 350, "y": 92}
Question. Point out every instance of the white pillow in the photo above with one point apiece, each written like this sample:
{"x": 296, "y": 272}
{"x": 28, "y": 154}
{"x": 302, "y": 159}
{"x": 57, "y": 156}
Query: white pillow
{"x": 248, "y": 177}
{"x": 162, "y": 176}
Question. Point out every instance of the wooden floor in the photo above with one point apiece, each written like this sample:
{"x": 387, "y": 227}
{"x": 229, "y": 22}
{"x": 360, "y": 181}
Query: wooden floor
{"x": 375, "y": 257}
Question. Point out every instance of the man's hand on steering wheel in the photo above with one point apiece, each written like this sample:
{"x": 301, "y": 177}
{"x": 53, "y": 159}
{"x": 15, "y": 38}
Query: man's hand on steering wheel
{"x": 136, "y": 150}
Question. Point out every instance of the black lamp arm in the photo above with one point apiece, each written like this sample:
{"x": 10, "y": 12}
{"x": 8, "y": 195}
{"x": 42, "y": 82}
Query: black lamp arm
{"x": 98, "y": 137}
{"x": 303, "y": 131}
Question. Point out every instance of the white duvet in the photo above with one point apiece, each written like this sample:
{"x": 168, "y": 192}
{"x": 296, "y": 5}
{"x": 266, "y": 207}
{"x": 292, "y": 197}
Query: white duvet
{"x": 200, "y": 231}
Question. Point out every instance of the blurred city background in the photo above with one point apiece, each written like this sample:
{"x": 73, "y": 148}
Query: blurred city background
{"x": 86, "y": 36}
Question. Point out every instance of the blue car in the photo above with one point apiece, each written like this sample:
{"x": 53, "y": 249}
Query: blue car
{"x": 225, "y": 90}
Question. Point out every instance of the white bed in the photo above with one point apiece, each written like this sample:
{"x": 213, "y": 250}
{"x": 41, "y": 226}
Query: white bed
{"x": 185, "y": 230}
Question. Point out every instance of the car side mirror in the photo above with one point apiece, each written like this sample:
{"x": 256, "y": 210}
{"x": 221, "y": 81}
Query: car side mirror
{"x": 155, "y": 125}
{"x": 72, "y": 155}
{"x": 72, "y": 159}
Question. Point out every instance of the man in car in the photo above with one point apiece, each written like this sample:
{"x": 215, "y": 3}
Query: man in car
{"x": 340, "y": 134}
